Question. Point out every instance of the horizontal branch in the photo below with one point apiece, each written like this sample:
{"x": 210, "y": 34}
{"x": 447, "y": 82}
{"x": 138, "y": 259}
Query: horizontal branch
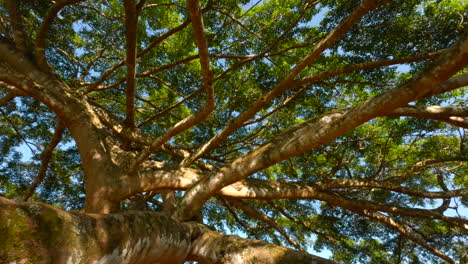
{"x": 452, "y": 115}
{"x": 89, "y": 238}
{"x": 214, "y": 247}
{"x": 129, "y": 237}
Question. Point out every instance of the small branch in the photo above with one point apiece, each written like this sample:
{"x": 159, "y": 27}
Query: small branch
{"x": 302, "y": 223}
{"x": 41, "y": 39}
{"x": 390, "y": 222}
{"x": 131, "y": 22}
{"x": 151, "y": 118}
{"x": 262, "y": 217}
{"x": 236, "y": 217}
{"x": 366, "y": 66}
{"x": 17, "y": 131}
{"x": 154, "y": 43}
{"x": 46, "y": 156}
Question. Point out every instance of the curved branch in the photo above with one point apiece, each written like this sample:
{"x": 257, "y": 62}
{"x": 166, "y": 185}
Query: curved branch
{"x": 321, "y": 130}
{"x": 41, "y": 38}
{"x": 46, "y": 156}
{"x": 451, "y": 84}
{"x": 7, "y": 98}
{"x": 284, "y": 85}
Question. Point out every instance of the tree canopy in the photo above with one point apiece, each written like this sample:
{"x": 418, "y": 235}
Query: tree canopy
{"x": 311, "y": 124}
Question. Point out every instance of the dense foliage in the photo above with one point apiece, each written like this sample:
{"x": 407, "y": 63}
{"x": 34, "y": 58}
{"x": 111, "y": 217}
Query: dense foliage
{"x": 253, "y": 46}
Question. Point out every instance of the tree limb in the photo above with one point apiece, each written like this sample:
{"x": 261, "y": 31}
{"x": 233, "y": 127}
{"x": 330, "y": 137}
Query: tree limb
{"x": 321, "y": 130}
{"x": 203, "y": 113}
{"x": 46, "y": 156}
{"x": 262, "y": 217}
{"x": 282, "y": 86}
{"x": 16, "y": 20}
{"x": 41, "y": 38}
{"x": 131, "y": 22}
{"x": 452, "y": 115}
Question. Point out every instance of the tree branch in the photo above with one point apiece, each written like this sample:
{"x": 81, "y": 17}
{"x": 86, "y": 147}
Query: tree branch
{"x": 46, "y": 156}
{"x": 203, "y": 113}
{"x": 262, "y": 217}
{"x": 452, "y": 115}
{"x": 341, "y": 29}
{"x": 131, "y": 22}
{"x": 16, "y": 20}
{"x": 7, "y": 98}
{"x": 41, "y": 38}
{"x": 321, "y": 130}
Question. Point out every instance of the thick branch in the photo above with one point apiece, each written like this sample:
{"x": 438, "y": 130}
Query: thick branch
{"x": 140, "y": 237}
{"x": 131, "y": 21}
{"x": 132, "y": 237}
{"x": 213, "y": 247}
{"x": 203, "y": 113}
{"x": 46, "y": 156}
{"x": 7, "y": 98}
{"x": 321, "y": 130}
{"x": 284, "y": 85}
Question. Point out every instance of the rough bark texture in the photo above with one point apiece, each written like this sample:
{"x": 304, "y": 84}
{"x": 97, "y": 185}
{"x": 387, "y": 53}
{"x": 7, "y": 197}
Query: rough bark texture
{"x": 39, "y": 233}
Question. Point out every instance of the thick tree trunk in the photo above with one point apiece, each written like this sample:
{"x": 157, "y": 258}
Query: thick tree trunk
{"x": 40, "y": 233}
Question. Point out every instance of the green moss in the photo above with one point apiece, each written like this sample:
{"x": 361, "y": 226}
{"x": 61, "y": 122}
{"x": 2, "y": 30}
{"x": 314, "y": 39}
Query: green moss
{"x": 17, "y": 237}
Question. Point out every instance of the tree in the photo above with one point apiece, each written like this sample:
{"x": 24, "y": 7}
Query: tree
{"x": 156, "y": 127}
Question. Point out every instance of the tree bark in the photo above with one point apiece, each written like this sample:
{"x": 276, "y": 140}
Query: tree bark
{"x": 40, "y": 233}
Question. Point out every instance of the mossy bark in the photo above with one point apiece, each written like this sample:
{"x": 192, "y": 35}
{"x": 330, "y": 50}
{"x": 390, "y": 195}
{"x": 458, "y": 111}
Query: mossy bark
{"x": 40, "y": 233}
